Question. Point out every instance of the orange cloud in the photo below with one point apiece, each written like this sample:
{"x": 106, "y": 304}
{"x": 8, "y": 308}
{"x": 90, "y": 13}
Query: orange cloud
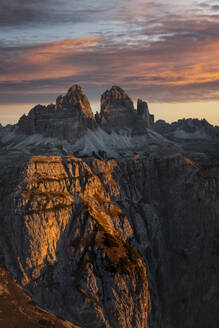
{"x": 177, "y": 66}
{"x": 47, "y": 60}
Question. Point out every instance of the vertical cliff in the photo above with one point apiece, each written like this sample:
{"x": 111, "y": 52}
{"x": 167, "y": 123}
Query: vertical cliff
{"x": 118, "y": 114}
{"x": 69, "y": 119}
{"x": 117, "y": 243}
{"x": 122, "y": 232}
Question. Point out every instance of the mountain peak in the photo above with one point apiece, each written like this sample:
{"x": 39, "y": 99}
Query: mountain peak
{"x": 75, "y": 100}
{"x": 75, "y": 87}
{"x": 118, "y": 112}
{"x": 72, "y": 116}
{"x": 115, "y": 97}
{"x": 68, "y": 119}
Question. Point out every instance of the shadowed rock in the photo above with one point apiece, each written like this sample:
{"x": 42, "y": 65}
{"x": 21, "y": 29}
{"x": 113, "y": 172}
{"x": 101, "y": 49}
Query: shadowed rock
{"x": 19, "y": 311}
{"x": 118, "y": 113}
{"x": 143, "y": 112}
{"x": 126, "y": 243}
{"x": 68, "y": 119}
{"x": 76, "y": 100}
{"x": 123, "y": 234}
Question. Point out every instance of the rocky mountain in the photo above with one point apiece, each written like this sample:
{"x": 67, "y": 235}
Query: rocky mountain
{"x": 188, "y": 129}
{"x": 18, "y": 309}
{"x": 68, "y": 119}
{"x": 198, "y": 138}
{"x": 69, "y": 127}
{"x": 118, "y": 114}
{"x": 115, "y": 226}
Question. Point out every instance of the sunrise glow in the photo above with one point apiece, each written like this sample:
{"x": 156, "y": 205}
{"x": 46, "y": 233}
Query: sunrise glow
{"x": 163, "y": 53}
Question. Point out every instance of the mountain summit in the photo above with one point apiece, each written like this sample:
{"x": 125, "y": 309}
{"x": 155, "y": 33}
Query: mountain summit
{"x": 118, "y": 113}
{"x": 72, "y": 117}
{"x": 75, "y": 101}
{"x": 104, "y": 221}
{"x": 69, "y": 127}
{"x": 115, "y": 97}
{"x": 68, "y": 119}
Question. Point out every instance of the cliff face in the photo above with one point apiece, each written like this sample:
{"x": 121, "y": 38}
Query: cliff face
{"x": 69, "y": 119}
{"x": 117, "y": 113}
{"x": 105, "y": 222}
{"x": 117, "y": 243}
{"x": 71, "y": 249}
{"x": 18, "y": 309}
{"x": 188, "y": 129}
{"x": 198, "y": 139}
{"x": 72, "y": 117}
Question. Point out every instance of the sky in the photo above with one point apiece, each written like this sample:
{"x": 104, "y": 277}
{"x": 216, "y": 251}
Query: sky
{"x": 165, "y": 52}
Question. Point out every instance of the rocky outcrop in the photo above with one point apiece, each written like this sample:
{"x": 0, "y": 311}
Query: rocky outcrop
{"x": 70, "y": 245}
{"x": 72, "y": 116}
{"x": 76, "y": 100}
{"x": 143, "y": 111}
{"x": 198, "y": 139}
{"x": 123, "y": 234}
{"x": 118, "y": 113}
{"x": 144, "y": 117}
{"x": 115, "y": 97}
{"x": 187, "y": 129}
{"x": 19, "y": 310}
{"x": 129, "y": 243}
{"x": 69, "y": 119}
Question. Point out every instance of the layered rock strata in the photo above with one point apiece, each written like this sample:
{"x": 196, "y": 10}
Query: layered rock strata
{"x": 116, "y": 243}
{"x": 68, "y": 119}
{"x": 124, "y": 234}
{"x": 118, "y": 114}
{"x": 71, "y": 117}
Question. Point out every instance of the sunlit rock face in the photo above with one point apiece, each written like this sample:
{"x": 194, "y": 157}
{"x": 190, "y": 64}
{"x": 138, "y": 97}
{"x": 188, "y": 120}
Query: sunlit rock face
{"x": 105, "y": 222}
{"x": 68, "y": 119}
{"x": 70, "y": 244}
{"x": 116, "y": 243}
{"x": 75, "y": 100}
{"x": 19, "y": 310}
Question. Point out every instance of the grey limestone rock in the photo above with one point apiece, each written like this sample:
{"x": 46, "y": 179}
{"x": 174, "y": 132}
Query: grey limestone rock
{"x": 130, "y": 242}
{"x": 68, "y": 119}
{"x": 111, "y": 239}
{"x": 118, "y": 113}
{"x": 188, "y": 129}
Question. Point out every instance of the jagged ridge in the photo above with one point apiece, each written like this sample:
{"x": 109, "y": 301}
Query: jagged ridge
{"x": 71, "y": 116}
{"x": 126, "y": 235}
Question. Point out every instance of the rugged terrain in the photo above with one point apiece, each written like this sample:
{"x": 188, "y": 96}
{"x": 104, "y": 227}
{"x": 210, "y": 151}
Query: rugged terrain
{"x": 104, "y": 221}
{"x": 18, "y": 309}
{"x": 198, "y": 138}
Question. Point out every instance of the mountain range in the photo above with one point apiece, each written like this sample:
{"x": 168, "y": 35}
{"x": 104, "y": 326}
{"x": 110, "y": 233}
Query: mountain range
{"x": 109, "y": 220}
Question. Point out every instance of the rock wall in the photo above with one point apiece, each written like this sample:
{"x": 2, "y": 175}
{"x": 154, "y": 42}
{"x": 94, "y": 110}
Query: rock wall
{"x": 118, "y": 114}
{"x": 69, "y": 119}
{"x": 119, "y": 243}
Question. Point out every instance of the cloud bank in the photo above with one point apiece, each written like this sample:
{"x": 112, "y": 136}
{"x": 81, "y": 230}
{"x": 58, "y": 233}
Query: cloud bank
{"x": 150, "y": 48}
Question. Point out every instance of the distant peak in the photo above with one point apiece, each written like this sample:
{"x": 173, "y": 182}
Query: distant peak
{"x": 75, "y": 88}
{"x": 117, "y": 88}
{"x": 115, "y": 91}
{"x": 75, "y": 92}
{"x": 115, "y": 97}
{"x": 142, "y": 107}
{"x": 75, "y": 99}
